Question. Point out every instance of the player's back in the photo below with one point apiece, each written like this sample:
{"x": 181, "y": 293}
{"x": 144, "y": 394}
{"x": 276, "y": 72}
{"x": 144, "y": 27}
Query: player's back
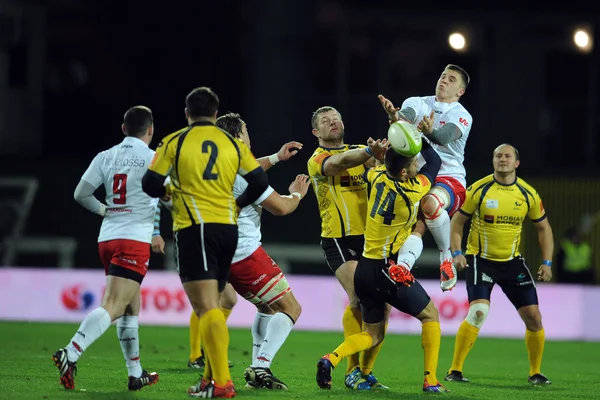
{"x": 130, "y": 211}
{"x": 392, "y": 211}
{"x": 205, "y": 161}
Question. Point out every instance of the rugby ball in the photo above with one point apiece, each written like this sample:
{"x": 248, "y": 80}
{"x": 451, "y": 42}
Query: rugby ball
{"x": 404, "y": 138}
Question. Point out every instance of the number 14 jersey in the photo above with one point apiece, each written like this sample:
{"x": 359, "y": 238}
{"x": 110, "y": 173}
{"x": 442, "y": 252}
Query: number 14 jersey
{"x": 391, "y": 211}
{"x": 129, "y": 211}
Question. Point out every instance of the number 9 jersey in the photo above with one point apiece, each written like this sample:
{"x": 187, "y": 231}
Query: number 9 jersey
{"x": 391, "y": 211}
{"x": 129, "y": 211}
{"x": 202, "y": 161}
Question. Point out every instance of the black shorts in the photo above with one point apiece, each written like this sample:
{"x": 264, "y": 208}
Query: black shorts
{"x": 339, "y": 250}
{"x": 205, "y": 251}
{"x": 374, "y": 289}
{"x": 513, "y": 277}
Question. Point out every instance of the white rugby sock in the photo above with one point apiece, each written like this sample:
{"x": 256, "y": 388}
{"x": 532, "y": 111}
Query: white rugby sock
{"x": 410, "y": 251}
{"x": 128, "y": 334}
{"x": 278, "y": 330}
{"x": 440, "y": 229}
{"x": 92, "y": 327}
{"x": 259, "y": 331}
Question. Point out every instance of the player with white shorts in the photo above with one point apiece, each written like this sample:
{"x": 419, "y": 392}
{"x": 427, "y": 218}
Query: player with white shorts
{"x": 123, "y": 243}
{"x": 254, "y": 275}
{"x": 446, "y": 125}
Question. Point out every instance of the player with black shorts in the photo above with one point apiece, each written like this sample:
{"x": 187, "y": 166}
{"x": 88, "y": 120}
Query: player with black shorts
{"x": 202, "y": 162}
{"x": 395, "y": 190}
{"x": 498, "y": 205}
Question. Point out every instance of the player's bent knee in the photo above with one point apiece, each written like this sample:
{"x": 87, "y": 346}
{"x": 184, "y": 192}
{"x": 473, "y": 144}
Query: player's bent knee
{"x": 477, "y": 314}
{"x": 288, "y": 305}
{"x": 434, "y": 203}
{"x": 376, "y": 331}
{"x": 228, "y": 297}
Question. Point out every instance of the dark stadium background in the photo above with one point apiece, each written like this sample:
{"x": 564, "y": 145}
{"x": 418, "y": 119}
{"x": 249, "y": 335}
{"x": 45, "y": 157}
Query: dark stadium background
{"x": 71, "y": 68}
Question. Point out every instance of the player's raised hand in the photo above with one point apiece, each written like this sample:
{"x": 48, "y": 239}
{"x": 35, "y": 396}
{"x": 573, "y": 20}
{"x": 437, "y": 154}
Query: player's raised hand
{"x": 158, "y": 244}
{"x": 460, "y": 262}
{"x": 300, "y": 185}
{"x": 289, "y": 150}
{"x": 544, "y": 273}
{"x": 426, "y": 124}
{"x": 378, "y": 147}
{"x": 389, "y": 108}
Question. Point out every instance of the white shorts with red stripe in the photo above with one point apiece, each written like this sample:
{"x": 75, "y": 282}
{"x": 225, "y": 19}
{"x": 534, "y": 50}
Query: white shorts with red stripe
{"x": 258, "y": 278}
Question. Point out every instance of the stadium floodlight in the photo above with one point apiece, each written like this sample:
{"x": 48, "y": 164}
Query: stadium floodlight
{"x": 582, "y": 38}
{"x": 457, "y": 42}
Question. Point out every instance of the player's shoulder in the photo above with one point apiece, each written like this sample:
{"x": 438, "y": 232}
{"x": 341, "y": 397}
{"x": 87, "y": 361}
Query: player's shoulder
{"x": 319, "y": 150}
{"x": 170, "y": 138}
{"x": 526, "y": 186}
{"x": 480, "y": 184}
{"x": 458, "y": 107}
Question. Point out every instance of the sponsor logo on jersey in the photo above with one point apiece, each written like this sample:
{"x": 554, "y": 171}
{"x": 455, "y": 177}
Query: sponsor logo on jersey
{"x": 463, "y": 121}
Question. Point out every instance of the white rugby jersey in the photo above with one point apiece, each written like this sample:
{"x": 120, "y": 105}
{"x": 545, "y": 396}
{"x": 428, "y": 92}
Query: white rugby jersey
{"x": 129, "y": 210}
{"x": 249, "y": 235}
{"x": 452, "y": 154}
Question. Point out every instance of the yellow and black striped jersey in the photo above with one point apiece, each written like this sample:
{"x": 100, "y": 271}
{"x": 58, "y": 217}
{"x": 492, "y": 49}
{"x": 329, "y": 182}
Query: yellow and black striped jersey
{"x": 498, "y": 212}
{"x": 202, "y": 161}
{"x": 342, "y": 199}
{"x": 392, "y": 211}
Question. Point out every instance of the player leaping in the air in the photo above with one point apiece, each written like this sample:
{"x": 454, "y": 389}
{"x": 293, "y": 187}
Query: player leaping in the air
{"x": 445, "y": 124}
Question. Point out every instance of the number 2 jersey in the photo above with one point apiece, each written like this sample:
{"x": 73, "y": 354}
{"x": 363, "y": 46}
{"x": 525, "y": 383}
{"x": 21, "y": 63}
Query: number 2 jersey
{"x": 129, "y": 211}
{"x": 391, "y": 212}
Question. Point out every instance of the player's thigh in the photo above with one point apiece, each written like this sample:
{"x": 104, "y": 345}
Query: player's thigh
{"x": 119, "y": 293}
{"x": 258, "y": 278}
{"x": 518, "y": 284}
{"x": 453, "y": 191}
{"x": 205, "y": 251}
{"x": 411, "y": 300}
{"x": 339, "y": 251}
{"x": 369, "y": 287}
{"x": 479, "y": 278}
{"x": 228, "y": 298}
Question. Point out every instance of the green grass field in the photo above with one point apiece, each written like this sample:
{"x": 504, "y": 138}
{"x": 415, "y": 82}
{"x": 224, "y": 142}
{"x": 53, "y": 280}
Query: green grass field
{"x": 497, "y": 368}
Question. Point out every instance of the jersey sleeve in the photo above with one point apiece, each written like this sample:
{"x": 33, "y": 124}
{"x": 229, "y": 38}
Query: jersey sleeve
{"x": 416, "y": 103}
{"x": 462, "y": 119}
{"x": 315, "y": 164}
{"x": 424, "y": 183}
{"x": 470, "y": 204}
{"x": 264, "y": 196}
{"x": 162, "y": 163}
{"x": 247, "y": 161}
{"x": 93, "y": 174}
{"x": 536, "y": 211}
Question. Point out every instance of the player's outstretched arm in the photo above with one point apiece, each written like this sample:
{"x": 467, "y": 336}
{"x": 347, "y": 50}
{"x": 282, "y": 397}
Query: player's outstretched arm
{"x": 258, "y": 182}
{"x": 286, "y": 152}
{"x": 395, "y": 113}
{"x": 337, "y": 163}
{"x": 84, "y": 195}
{"x": 280, "y": 205}
{"x": 457, "y": 226}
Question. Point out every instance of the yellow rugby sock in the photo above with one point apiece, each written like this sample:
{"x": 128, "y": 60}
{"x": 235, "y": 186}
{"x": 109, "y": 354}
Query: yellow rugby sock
{"x": 351, "y": 345}
{"x": 216, "y": 344}
{"x": 465, "y": 339}
{"x": 367, "y": 357}
{"x": 535, "y": 350}
{"x": 226, "y": 313}
{"x": 195, "y": 337}
{"x": 352, "y": 324}
{"x": 431, "y": 336}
